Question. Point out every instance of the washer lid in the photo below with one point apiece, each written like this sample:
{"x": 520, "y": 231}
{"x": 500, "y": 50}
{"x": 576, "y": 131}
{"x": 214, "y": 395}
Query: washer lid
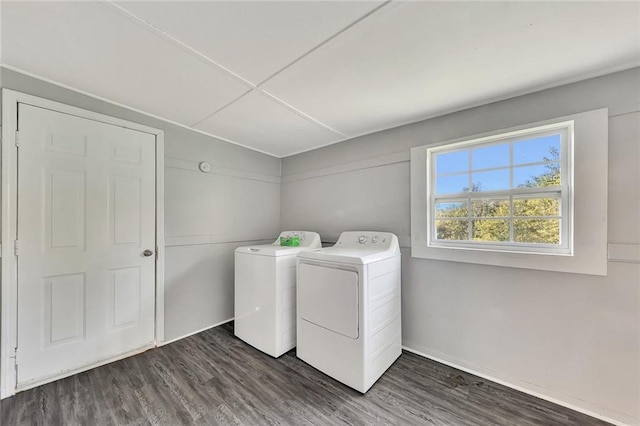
{"x": 308, "y": 241}
{"x": 271, "y": 250}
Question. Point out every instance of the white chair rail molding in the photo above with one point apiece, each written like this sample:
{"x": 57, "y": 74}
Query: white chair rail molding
{"x": 532, "y": 196}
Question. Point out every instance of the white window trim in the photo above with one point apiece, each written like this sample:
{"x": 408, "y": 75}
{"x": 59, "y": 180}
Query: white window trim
{"x": 563, "y": 192}
{"x": 587, "y": 255}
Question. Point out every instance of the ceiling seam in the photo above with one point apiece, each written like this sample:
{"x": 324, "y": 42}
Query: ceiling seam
{"x": 183, "y": 45}
{"x": 208, "y": 116}
{"x": 230, "y": 73}
{"x": 300, "y": 113}
{"x": 134, "y": 109}
{"x": 306, "y": 54}
{"x": 327, "y": 40}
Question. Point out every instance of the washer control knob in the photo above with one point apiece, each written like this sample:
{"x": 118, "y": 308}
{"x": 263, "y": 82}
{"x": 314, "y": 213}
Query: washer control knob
{"x": 363, "y": 239}
{"x": 375, "y": 239}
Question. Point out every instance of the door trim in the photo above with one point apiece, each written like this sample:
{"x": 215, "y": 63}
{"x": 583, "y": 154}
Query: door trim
{"x": 9, "y": 185}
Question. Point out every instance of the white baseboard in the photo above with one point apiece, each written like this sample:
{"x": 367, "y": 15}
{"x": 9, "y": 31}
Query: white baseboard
{"x": 603, "y": 413}
{"x": 195, "y": 332}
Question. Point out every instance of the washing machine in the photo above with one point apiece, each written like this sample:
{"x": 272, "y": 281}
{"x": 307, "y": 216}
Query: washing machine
{"x": 348, "y": 317}
{"x": 265, "y": 292}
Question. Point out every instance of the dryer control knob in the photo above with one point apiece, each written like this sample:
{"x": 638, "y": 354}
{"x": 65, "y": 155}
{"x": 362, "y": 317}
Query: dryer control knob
{"x": 362, "y": 239}
{"x": 375, "y": 239}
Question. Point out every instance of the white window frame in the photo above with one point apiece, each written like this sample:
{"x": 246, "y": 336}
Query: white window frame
{"x": 562, "y": 192}
{"x": 586, "y": 252}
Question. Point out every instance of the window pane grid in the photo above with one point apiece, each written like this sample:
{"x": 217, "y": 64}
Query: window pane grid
{"x": 489, "y": 169}
{"x": 511, "y": 170}
{"x": 509, "y": 198}
{"x": 537, "y": 171}
{"x": 513, "y": 223}
{"x": 530, "y": 170}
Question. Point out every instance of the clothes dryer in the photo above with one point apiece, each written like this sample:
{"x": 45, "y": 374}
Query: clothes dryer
{"x": 348, "y": 316}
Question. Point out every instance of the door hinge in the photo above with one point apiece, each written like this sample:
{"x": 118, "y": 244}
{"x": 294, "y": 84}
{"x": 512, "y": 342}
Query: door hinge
{"x": 16, "y": 248}
{"x": 15, "y": 363}
{"x": 17, "y": 138}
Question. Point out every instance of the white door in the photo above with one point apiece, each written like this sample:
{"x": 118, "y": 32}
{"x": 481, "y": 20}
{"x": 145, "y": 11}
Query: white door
{"x": 86, "y": 214}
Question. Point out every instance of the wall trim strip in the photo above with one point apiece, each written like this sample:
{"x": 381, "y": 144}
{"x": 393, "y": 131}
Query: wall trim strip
{"x": 198, "y": 240}
{"x": 628, "y": 109}
{"x": 625, "y": 253}
{"x": 192, "y": 166}
{"x": 368, "y": 163}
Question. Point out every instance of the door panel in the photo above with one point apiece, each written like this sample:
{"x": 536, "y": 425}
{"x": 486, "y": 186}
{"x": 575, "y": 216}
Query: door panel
{"x": 126, "y": 297}
{"x": 64, "y": 308}
{"x": 125, "y": 200}
{"x": 86, "y": 213}
{"x": 75, "y": 145}
{"x": 65, "y": 210}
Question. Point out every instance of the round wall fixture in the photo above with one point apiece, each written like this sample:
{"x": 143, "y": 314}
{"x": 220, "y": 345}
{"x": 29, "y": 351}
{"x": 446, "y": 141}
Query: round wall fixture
{"x": 204, "y": 167}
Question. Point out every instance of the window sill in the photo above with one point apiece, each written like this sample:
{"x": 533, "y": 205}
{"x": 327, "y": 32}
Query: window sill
{"x": 516, "y": 249}
{"x": 539, "y": 261}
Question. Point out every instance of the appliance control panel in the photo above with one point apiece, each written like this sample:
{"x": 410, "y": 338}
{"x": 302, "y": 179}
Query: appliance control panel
{"x": 368, "y": 239}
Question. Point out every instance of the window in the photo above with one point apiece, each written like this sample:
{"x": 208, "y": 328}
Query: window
{"x": 509, "y": 192}
{"x": 532, "y": 196}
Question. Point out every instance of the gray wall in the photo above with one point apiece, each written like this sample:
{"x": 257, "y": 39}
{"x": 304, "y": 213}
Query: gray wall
{"x": 206, "y": 215}
{"x": 571, "y": 338}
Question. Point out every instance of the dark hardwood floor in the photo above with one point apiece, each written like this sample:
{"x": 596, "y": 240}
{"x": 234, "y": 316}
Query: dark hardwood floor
{"x": 213, "y": 378}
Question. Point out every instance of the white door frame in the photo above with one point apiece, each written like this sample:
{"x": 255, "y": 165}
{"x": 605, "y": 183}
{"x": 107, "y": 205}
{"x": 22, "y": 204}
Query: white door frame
{"x": 9, "y": 184}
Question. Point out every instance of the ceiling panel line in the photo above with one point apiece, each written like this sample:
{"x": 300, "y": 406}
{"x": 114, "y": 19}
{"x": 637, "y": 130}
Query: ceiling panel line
{"x": 325, "y": 41}
{"x": 246, "y": 82}
{"x": 130, "y": 108}
{"x": 222, "y": 107}
{"x": 179, "y": 43}
{"x": 300, "y": 113}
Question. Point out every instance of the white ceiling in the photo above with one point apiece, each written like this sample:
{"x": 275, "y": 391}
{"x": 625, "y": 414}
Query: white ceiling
{"x": 286, "y": 77}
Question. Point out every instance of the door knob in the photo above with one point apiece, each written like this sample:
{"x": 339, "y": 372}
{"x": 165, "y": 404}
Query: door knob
{"x": 147, "y": 253}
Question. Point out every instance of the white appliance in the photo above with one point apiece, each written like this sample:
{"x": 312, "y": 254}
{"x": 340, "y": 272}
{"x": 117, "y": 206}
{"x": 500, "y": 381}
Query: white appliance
{"x": 348, "y": 320}
{"x": 265, "y": 293}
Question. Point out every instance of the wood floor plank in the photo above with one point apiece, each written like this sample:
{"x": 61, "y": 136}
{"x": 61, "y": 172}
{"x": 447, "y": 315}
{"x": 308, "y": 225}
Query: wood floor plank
{"x": 213, "y": 378}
